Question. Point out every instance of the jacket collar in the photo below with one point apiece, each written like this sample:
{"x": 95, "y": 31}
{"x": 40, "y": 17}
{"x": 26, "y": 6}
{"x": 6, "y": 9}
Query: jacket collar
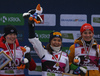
{"x": 2, "y": 43}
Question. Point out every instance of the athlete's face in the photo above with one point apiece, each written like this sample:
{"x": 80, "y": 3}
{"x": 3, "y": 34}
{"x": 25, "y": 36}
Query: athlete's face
{"x": 56, "y": 42}
{"x": 87, "y": 35}
{"x": 10, "y": 38}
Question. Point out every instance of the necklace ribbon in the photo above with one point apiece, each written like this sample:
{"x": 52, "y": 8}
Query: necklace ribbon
{"x": 11, "y": 54}
{"x": 57, "y": 64}
{"x": 89, "y": 48}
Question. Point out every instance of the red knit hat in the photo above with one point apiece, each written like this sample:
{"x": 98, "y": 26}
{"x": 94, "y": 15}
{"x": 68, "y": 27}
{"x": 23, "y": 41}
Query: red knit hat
{"x": 85, "y": 27}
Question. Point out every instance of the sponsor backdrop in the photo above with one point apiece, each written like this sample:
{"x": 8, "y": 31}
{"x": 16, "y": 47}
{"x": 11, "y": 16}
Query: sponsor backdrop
{"x": 65, "y": 16}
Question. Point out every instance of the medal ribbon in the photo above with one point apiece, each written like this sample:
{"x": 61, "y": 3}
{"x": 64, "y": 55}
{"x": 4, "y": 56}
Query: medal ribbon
{"x": 11, "y": 54}
{"x": 85, "y": 47}
{"x": 57, "y": 59}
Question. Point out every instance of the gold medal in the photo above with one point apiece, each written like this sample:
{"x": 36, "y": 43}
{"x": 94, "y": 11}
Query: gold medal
{"x": 57, "y": 64}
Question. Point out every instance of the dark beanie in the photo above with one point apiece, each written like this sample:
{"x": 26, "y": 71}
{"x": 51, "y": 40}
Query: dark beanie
{"x": 9, "y": 29}
{"x": 55, "y": 34}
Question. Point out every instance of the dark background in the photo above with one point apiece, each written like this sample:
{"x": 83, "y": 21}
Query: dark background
{"x": 57, "y": 7}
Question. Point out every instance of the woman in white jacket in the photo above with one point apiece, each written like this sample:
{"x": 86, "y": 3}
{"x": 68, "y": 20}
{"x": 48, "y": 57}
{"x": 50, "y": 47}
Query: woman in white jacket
{"x": 52, "y": 58}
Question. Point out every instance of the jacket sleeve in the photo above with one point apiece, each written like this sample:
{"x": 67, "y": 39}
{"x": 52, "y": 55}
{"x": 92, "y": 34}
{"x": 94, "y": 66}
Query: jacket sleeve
{"x": 32, "y": 65}
{"x": 71, "y": 54}
{"x": 37, "y": 45}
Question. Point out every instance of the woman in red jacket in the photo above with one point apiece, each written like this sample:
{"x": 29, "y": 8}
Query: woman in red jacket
{"x": 10, "y": 45}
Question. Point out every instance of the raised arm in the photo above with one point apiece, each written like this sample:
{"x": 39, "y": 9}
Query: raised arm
{"x": 34, "y": 17}
{"x": 37, "y": 45}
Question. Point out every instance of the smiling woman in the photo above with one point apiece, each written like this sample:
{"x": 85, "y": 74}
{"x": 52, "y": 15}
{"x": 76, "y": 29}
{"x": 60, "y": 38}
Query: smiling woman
{"x": 53, "y": 59}
{"x": 10, "y": 46}
{"x": 87, "y": 32}
{"x": 11, "y": 35}
{"x": 87, "y": 49}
